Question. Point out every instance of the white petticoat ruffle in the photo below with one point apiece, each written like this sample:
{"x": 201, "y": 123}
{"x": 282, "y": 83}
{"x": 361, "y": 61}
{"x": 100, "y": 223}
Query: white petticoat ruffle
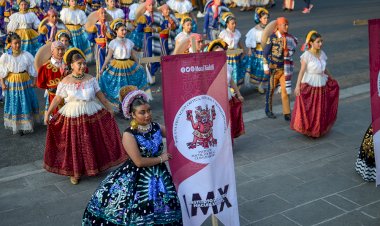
{"x": 78, "y": 108}
{"x": 180, "y": 6}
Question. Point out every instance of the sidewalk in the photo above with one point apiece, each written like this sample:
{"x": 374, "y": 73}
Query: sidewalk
{"x": 283, "y": 178}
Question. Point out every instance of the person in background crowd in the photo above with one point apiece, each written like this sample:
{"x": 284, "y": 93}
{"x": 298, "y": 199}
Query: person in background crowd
{"x": 111, "y": 9}
{"x": 308, "y": 6}
{"x": 141, "y": 191}
{"x": 49, "y": 27}
{"x": 255, "y": 64}
{"x": 25, "y": 24}
{"x": 120, "y": 67}
{"x": 232, "y": 37}
{"x": 317, "y": 93}
{"x": 50, "y": 73}
{"x": 278, "y": 63}
{"x": 82, "y": 138}
{"x": 17, "y": 78}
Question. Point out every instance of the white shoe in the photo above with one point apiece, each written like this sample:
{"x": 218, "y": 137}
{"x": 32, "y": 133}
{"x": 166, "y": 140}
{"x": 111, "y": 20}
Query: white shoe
{"x": 200, "y": 15}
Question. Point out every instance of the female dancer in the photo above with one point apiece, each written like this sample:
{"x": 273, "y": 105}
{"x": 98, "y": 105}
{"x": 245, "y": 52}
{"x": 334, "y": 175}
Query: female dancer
{"x": 232, "y": 37}
{"x": 141, "y": 191}
{"x": 64, "y": 36}
{"x": 123, "y": 69}
{"x": 83, "y": 137}
{"x": 25, "y": 24}
{"x": 49, "y": 27}
{"x": 317, "y": 93}
{"x": 74, "y": 19}
{"x": 186, "y": 24}
{"x": 255, "y": 64}
{"x": 365, "y": 163}
{"x": 17, "y": 78}
{"x": 116, "y": 13}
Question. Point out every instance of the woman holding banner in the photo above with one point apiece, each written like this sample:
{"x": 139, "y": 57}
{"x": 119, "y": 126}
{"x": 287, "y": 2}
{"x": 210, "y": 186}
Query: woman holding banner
{"x": 141, "y": 191}
{"x": 317, "y": 93}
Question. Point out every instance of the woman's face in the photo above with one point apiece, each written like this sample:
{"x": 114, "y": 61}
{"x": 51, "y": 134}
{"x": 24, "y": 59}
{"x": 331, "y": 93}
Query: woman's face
{"x": 65, "y": 41}
{"x": 264, "y": 19}
{"x": 187, "y": 26}
{"x": 149, "y": 7}
{"x": 111, "y": 3}
{"x": 23, "y": 6}
{"x": 121, "y": 32}
{"x": 143, "y": 114}
{"x": 231, "y": 25}
{"x": 79, "y": 66}
{"x": 317, "y": 44}
{"x": 16, "y": 44}
{"x": 73, "y": 3}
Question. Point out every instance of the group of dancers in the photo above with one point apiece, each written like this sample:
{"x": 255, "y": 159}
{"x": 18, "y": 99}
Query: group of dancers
{"x": 83, "y": 138}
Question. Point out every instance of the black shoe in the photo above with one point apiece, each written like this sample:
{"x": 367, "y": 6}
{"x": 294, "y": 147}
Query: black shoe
{"x": 270, "y": 115}
{"x": 287, "y": 117}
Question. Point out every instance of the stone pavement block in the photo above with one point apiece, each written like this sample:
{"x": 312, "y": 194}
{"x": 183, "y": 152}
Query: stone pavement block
{"x": 73, "y": 203}
{"x": 240, "y": 159}
{"x": 44, "y": 178}
{"x": 317, "y": 152}
{"x": 280, "y": 134}
{"x": 265, "y": 186}
{"x": 269, "y": 166}
{"x": 341, "y": 202}
{"x": 275, "y": 220}
{"x": 27, "y": 197}
{"x": 313, "y": 170}
{"x": 21, "y": 216}
{"x": 16, "y": 170}
{"x": 264, "y": 207}
{"x": 240, "y": 177}
{"x": 70, "y": 219}
{"x": 372, "y": 210}
{"x": 313, "y": 213}
{"x": 257, "y": 153}
{"x": 316, "y": 189}
{"x": 86, "y": 183}
{"x": 355, "y": 218}
{"x": 364, "y": 194}
{"x": 13, "y": 186}
{"x": 243, "y": 221}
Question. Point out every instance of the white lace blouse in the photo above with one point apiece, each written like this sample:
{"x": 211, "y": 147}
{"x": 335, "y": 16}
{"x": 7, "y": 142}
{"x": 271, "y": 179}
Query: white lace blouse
{"x": 116, "y": 13}
{"x": 17, "y": 64}
{"x": 75, "y": 17}
{"x": 315, "y": 68}
{"x": 231, "y": 38}
{"x": 23, "y": 21}
{"x": 253, "y": 37}
{"x": 122, "y": 48}
{"x": 82, "y": 91}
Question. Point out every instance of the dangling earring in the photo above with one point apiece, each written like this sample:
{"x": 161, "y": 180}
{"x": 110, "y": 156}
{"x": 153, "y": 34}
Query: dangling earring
{"x": 134, "y": 124}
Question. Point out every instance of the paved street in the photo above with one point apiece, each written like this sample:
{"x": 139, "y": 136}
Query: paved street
{"x": 283, "y": 178}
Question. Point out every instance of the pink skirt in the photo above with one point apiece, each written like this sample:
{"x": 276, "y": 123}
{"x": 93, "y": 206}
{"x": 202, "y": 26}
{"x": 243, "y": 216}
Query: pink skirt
{"x": 315, "y": 109}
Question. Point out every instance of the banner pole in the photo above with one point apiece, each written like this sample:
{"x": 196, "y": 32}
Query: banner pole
{"x": 214, "y": 220}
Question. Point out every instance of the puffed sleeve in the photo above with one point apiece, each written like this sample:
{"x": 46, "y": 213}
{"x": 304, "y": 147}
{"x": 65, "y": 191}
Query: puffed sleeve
{"x": 61, "y": 90}
{"x": 324, "y": 56}
{"x": 13, "y": 24}
{"x": 305, "y": 57}
{"x": 36, "y": 21}
{"x": 3, "y": 68}
{"x": 83, "y": 17}
{"x": 30, "y": 61}
{"x": 130, "y": 44}
{"x": 112, "y": 45}
{"x": 96, "y": 85}
{"x": 250, "y": 39}
{"x": 222, "y": 34}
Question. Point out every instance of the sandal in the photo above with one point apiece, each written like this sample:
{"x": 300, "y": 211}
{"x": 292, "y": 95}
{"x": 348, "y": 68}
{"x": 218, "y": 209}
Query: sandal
{"x": 74, "y": 180}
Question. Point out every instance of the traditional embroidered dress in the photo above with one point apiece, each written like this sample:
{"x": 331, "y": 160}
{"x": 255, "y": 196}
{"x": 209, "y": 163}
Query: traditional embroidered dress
{"x": 21, "y": 104}
{"x": 181, "y": 36}
{"x": 83, "y": 137}
{"x": 167, "y": 34}
{"x": 146, "y": 36}
{"x": 255, "y": 64}
{"x": 49, "y": 76}
{"x": 182, "y": 8}
{"x": 315, "y": 109}
{"x": 122, "y": 71}
{"x": 48, "y": 31}
{"x": 116, "y": 13}
{"x": 101, "y": 38}
{"x": 7, "y": 7}
{"x": 25, "y": 25}
{"x": 136, "y": 196}
{"x": 236, "y": 110}
{"x": 232, "y": 39}
{"x": 74, "y": 19}
{"x": 365, "y": 163}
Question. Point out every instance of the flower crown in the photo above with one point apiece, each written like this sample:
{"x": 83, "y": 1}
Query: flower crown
{"x": 132, "y": 94}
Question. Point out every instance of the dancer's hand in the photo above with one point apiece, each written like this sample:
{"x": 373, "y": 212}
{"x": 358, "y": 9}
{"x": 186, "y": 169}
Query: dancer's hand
{"x": 297, "y": 90}
{"x": 165, "y": 156}
{"x": 3, "y": 86}
{"x": 46, "y": 118}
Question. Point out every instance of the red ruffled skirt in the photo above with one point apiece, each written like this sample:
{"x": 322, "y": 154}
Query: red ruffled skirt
{"x": 315, "y": 109}
{"x": 83, "y": 145}
{"x": 237, "y": 123}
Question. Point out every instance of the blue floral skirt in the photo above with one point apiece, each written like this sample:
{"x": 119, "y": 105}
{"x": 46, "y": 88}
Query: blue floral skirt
{"x": 21, "y": 104}
{"x": 238, "y": 73}
{"x": 255, "y": 68}
{"x": 80, "y": 40}
{"x": 29, "y": 40}
{"x": 137, "y": 38}
{"x": 135, "y": 196}
{"x": 122, "y": 73}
